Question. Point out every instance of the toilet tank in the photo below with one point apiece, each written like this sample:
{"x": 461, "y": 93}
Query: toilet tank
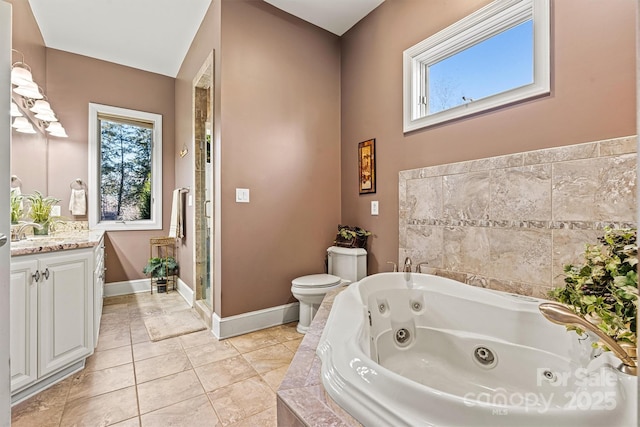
{"x": 347, "y": 263}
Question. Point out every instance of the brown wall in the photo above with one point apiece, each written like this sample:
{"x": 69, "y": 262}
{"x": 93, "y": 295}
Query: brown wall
{"x": 277, "y": 119}
{"x": 280, "y": 138}
{"x": 74, "y": 81}
{"x": 593, "y": 98}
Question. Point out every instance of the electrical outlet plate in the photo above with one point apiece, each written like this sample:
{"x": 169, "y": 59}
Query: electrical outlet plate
{"x": 242, "y": 195}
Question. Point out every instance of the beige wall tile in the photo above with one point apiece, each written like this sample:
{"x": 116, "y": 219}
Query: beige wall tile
{"x": 601, "y": 189}
{"x": 424, "y": 244}
{"x": 522, "y": 256}
{"x": 568, "y": 248}
{"x": 618, "y": 146}
{"x": 466, "y": 196}
{"x": 466, "y": 249}
{"x": 521, "y": 193}
{"x": 424, "y": 198}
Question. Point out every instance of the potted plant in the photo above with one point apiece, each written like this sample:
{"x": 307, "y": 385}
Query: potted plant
{"x": 604, "y": 290}
{"x": 16, "y": 207}
{"x": 40, "y": 211}
{"x": 351, "y": 237}
{"x": 160, "y": 268}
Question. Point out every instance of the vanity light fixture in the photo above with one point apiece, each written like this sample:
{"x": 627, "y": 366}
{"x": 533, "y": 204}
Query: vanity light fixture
{"x": 33, "y": 99}
{"x": 15, "y": 112}
{"x": 20, "y": 71}
{"x": 29, "y": 90}
{"x": 22, "y": 124}
{"x": 56, "y": 129}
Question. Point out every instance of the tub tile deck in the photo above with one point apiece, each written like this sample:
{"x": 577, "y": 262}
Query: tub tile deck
{"x": 302, "y": 400}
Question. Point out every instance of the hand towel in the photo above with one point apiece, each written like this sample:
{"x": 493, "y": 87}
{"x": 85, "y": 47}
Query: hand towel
{"x": 78, "y": 202}
{"x": 175, "y": 226}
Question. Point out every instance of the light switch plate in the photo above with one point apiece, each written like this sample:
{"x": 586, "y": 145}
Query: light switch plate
{"x": 242, "y": 195}
{"x": 374, "y": 207}
{"x": 55, "y": 210}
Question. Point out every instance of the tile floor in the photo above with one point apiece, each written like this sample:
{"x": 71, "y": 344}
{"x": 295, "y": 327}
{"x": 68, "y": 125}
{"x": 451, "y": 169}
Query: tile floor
{"x": 191, "y": 380}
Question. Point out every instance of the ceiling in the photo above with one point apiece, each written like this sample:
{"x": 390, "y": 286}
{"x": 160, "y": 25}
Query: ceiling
{"x": 155, "y": 35}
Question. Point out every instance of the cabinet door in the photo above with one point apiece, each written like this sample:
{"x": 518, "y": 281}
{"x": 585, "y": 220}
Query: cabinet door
{"x": 23, "y": 294}
{"x": 65, "y": 307}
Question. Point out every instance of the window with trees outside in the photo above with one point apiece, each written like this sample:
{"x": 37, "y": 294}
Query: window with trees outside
{"x": 125, "y": 169}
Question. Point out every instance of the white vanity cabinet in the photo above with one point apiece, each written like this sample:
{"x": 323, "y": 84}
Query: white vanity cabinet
{"x": 53, "y": 321}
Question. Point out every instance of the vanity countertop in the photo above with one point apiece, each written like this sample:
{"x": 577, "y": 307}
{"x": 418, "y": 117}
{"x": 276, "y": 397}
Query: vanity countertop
{"x": 59, "y": 241}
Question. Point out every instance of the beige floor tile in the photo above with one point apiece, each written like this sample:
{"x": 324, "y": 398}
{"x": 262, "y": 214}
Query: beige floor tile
{"x": 269, "y": 358}
{"x": 138, "y": 332}
{"x": 293, "y": 344}
{"x": 267, "y": 418}
{"x": 149, "y": 349}
{"x": 192, "y": 412}
{"x": 274, "y": 378}
{"x": 203, "y": 354}
{"x": 113, "y": 328}
{"x": 224, "y": 372}
{"x": 87, "y": 384}
{"x": 168, "y": 390}
{"x": 120, "y": 299}
{"x": 131, "y": 422}
{"x": 241, "y": 400}
{"x": 197, "y": 338}
{"x": 108, "y": 359}
{"x": 120, "y": 308}
{"x": 253, "y": 341}
{"x": 161, "y": 366}
{"x": 113, "y": 340}
{"x": 44, "y": 409}
{"x": 284, "y": 333}
{"x": 113, "y": 318}
{"x": 102, "y": 410}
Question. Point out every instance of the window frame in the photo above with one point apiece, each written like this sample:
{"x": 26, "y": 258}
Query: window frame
{"x": 155, "y": 223}
{"x": 481, "y": 25}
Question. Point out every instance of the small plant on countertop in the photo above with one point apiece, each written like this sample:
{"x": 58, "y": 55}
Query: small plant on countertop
{"x": 604, "y": 290}
{"x": 16, "y": 207}
{"x": 40, "y": 207}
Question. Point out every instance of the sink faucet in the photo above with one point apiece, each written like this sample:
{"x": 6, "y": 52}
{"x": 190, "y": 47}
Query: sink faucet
{"x": 407, "y": 265}
{"x": 561, "y": 315}
{"x": 20, "y": 233}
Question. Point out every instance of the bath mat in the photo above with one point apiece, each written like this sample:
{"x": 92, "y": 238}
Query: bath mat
{"x": 173, "y": 324}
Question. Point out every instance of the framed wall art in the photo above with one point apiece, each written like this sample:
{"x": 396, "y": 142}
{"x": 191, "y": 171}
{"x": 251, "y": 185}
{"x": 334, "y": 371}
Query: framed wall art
{"x": 367, "y": 166}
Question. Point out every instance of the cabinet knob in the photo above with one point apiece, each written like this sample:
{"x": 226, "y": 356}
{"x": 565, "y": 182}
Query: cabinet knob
{"x": 36, "y": 276}
{"x": 46, "y": 274}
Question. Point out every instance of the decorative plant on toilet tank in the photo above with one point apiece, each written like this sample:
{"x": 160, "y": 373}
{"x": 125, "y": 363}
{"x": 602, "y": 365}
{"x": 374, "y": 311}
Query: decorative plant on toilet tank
{"x": 604, "y": 290}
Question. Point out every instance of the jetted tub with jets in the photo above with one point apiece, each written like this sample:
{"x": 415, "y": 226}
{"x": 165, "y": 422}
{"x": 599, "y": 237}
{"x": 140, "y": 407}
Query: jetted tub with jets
{"x": 408, "y": 349}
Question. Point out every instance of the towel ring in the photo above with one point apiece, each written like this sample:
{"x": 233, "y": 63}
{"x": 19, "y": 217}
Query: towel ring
{"x": 15, "y": 182}
{"x": 78, "y": 184}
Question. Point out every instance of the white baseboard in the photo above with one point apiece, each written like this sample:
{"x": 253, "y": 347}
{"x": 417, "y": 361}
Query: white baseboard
{"x": 126, "y": 287}
{"x": 186, "y": 292}
{"x": 231, "y": 326}
{"x": 142, "y": 285}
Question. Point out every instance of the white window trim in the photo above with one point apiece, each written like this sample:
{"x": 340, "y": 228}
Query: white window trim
{"x": 155, "y": 223}
{"x": 479, "y": 26}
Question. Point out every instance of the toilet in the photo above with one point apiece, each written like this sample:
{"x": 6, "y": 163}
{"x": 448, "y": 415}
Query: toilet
{"x": 346, "y": 265}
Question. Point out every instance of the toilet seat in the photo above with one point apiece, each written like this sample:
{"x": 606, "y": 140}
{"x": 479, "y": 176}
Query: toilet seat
{"x": 316, "y": 281}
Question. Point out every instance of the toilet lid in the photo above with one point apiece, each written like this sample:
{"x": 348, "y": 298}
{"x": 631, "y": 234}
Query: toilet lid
{"x": 316, "y": 281}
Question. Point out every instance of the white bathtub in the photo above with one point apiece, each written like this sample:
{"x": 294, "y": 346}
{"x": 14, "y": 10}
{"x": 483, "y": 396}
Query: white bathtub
{"x": 463, "y": 356}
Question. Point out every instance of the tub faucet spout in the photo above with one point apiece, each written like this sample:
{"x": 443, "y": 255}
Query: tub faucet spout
{"x": 561, "y": 315}
{"x": 407, "y": 265}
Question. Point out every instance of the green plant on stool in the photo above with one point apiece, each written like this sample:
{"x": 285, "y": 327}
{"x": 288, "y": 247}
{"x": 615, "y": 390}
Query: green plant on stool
{"x": 604, "y": 291}
{"x": 40, "y": 211}
{"x": 160, "y": 268}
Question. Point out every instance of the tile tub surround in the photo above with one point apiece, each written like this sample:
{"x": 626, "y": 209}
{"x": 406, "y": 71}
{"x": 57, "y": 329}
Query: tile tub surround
{"x": 512, "y": 222}
{"x": 301, "y": 398}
